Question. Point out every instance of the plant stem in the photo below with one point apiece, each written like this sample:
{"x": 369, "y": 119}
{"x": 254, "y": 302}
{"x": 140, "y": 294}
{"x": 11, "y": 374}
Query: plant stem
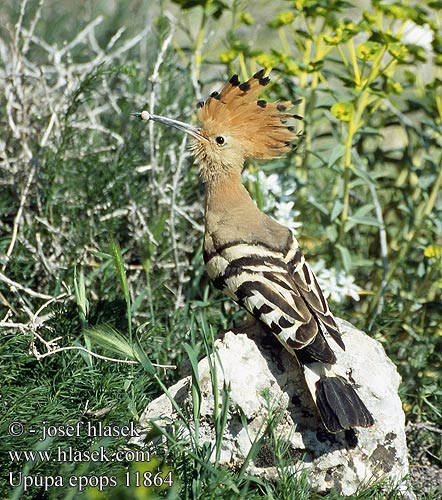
{"x": 418, "y": 226}
{"x": 198, "y": 58}
{"x": 355, "y": 124}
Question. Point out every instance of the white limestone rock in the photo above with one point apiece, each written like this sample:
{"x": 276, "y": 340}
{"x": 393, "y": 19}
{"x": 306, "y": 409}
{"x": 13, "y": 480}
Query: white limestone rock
{"x": 266, "y": 375}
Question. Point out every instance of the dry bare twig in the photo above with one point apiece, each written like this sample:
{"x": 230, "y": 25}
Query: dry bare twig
{"x": 17, "y": 286}
{"x": 28, "y": 89}
{"x": 175, "y": 187}
{"x": 156, "y": 82}
{"x": 18, "y": 217}
{"x": 52, "y": 348}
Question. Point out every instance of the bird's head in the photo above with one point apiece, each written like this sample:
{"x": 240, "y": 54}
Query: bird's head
{"x": 236, "y": 126}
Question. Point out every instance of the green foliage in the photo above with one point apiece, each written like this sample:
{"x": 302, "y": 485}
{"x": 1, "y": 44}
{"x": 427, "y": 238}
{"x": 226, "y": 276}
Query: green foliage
{"x": 100, "y": 216}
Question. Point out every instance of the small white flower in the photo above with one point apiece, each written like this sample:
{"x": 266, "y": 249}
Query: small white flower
{"x": 418, "y": 35}
{"x": 247, "y": 176}
{"x": 269, "y": 184}
{"x": 284, "y": 209}
{"x": 335, "y": 285}
{"x": 348, "y": 286}
{"x": 270, "y": 187}
{"x": 330, "y": 286}
{"x": 285, "y": 214}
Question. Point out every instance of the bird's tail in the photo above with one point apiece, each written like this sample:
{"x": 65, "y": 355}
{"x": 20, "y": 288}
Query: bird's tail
{"x": 338, "y": 404}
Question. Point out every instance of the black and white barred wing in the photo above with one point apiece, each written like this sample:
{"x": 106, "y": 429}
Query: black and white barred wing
{"x": 279, "y": 290}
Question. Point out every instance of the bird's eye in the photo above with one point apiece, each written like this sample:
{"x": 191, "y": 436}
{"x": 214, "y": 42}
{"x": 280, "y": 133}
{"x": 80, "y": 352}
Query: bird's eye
{"x": 220, "y": 140}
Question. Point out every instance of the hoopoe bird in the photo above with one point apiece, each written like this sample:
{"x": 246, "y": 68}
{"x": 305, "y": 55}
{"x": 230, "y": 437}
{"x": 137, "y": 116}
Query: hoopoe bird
{"x": 252, "y": 258}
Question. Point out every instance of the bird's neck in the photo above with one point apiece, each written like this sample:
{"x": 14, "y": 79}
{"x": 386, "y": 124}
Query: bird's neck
{"x": 227, "y": 195}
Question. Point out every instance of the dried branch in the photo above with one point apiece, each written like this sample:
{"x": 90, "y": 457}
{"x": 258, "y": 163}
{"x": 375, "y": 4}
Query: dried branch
{"x": 156, "y": 82}
{"x": 18, "y": 217}
{"x": 52, "y": 348}
{"x": 17, "y": 286}
{"x": 175, "y": 187}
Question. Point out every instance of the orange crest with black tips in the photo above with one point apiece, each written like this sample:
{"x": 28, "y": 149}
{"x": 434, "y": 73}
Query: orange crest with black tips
{"x": 262, "y": 128}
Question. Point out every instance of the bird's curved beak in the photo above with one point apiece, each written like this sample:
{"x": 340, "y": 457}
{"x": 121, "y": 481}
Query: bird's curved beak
{"x": 185, "y": 127}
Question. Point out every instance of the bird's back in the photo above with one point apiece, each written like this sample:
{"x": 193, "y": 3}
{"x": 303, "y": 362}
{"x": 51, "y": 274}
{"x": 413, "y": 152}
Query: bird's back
{"x": 257, "y": 261}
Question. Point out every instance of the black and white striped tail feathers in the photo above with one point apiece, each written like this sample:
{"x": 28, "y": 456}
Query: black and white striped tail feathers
{"x": 338, "y": 403}
{"x": 279, "y": 289}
